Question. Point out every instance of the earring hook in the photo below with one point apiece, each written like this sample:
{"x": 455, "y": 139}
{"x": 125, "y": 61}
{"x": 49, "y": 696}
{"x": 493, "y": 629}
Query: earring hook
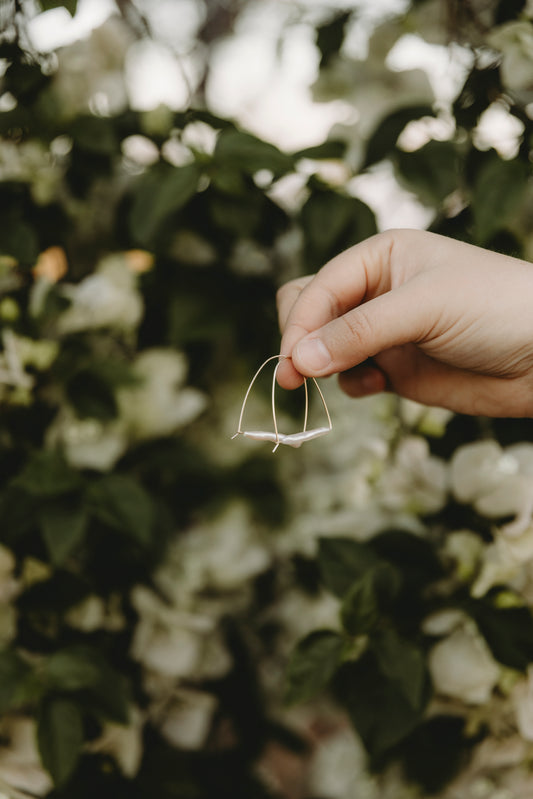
{"x": 293, "y": 439}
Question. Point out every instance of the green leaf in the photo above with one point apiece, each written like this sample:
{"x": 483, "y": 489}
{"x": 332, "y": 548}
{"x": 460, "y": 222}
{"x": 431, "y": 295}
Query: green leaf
{"x": 498, "y": 191}
{"x": 508, "y": 632}
{"x": 160, "y": 193}
{"x": 70, "y": 5}
{"x": 63, "y": 527}
{"x": 18, "y": 514}
{"x": 99, "y": 687}
{"x": 402, "y": 663}
{"x": 383, "y": 140}
{"x": 313, "y": 663}
{"x": 330, "y": 36}
{"x": 121, "y": 502}
{"x": 60, "y": 737}
{"x": 330, "y": 149}
{"x": 73, "y": 669}
{"x": 432, "y": 172}
{"x": 95, "y": 134}
{"x": 332, "y": 222}
{"x": 247, "y": 153}
{"x": 379, "y": 710}
{"x": 13, "y": 675}
{"x": 360, "y": 612}
{"x": 91, "y": 396}
{"x": 342, "y": 561}
{"x": 48, "y": 475}
{"x": 369, "y": 598}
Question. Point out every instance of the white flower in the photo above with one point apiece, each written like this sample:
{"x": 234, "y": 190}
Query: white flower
{"x": 443, "y": 622}
{"x": 160, "y": 404}
{"x": 186, "y": 720}
{"x": 87, "y": 443}
{"x": 93, "y": 613}
{"x": 416, "y": 481}
{"x": 522, "y": 697}
{"x": 497, "y": 482}
{"x": 224, "y": 554}
{"x": 339, "y": 768}
{"x": 171, "y": 642}
{"x": 515, "y": 42}
{"x": 466, "y": 549}
{"x": 462, "y": 666}
{"x": 105, "y": 49}
{"x": 426, "y": 420}
{"x": 106, "y": 298}
{"x": 123, "y": 743}
{"x": 20, "y": 764}
{"x": 476, "y": 469}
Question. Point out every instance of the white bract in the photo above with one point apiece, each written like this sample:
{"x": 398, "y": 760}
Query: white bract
{"x": 20, "y": 764}
{"x": 107, "y": 298}
{"x": 160, "y": 403}
{"x": 416, "y": 481}
{"x": 515, "y": 42}
{"x": 124, "y": 743}
{"x": 497, "y": 482}
{"x": 462, "y": 666}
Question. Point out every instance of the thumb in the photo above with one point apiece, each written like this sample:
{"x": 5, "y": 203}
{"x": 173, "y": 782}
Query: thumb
{"x": 398, "y": 317}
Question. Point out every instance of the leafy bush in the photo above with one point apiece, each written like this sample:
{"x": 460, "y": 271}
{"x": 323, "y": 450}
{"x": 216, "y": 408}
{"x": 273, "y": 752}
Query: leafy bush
{"x": 186, "y": 616}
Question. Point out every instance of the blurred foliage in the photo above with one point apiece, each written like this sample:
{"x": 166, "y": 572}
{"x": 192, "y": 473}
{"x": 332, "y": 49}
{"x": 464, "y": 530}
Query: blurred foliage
{"x": 140, "y": 252}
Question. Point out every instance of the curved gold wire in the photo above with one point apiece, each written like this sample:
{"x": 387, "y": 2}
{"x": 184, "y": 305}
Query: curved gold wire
{"x": 293, "y": 439}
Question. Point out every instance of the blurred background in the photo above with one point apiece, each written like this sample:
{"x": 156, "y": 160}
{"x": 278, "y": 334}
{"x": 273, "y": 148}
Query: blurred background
{"x": 187, "y": 616}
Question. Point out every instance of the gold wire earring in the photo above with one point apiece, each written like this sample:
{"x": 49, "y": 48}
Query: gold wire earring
{"x": 291, "y": 439}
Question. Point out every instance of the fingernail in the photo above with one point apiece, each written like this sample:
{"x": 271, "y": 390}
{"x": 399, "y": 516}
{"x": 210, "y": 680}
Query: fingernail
{"x": 312, "y": 355}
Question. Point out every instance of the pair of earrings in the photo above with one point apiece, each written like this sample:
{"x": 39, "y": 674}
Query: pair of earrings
{"x": 291, "y": 439}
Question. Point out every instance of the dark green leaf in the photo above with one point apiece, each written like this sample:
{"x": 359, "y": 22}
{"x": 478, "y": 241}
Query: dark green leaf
{"x": 508, "y": 10}
{"x": 402, "y": 663}
{"x": 48, "y": 475}
{"x": 121, "y": 502}
{"x": 481, "y": 88}
{"x": 435, "y": 751}
{"x": 63, "y": 526}
{"x": 18, "y": 512}
{"x": 342, "y": 561}
{"x": 94, "y": 135}
{"x": 313, "y": 663}
{"x": 100, "y": 689}
{"x": 91, "y": 396}
{"x": 330, "y": 149}
{"x": 369, "y": 598}
{"x": 499, "y": 188}
{"x": 414, "y": 557}
{"x": 360, "y": 612}
{"x": 70, "y": 5}
{"x": 383, "y": 140}
{"x": 432, "y": 172}
{"x": 73, "y": 669}
{"x": 379, "y": 710}
{"x": 247, "y": 153}
{"x": 13, "y": 674}
{"x": 60, "y": 737}
{"x": 159, "y": 194}
{"x": 330, "y": 36}
{"x": 332, "y": 222}
{"x": 508, "y": 632}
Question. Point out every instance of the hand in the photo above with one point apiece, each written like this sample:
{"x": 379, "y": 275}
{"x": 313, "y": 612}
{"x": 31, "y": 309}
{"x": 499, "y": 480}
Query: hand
{"x": 443, "y": 322}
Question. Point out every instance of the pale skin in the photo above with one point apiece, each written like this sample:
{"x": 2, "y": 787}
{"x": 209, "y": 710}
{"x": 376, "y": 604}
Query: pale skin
{"x": 443, "y": 322}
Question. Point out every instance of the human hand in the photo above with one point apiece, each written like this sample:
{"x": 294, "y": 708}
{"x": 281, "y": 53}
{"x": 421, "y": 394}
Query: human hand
{"x": 443, "y": 322}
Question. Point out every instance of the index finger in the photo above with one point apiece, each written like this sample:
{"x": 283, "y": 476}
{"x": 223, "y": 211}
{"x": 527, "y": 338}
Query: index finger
{"x": 359, "y": 273}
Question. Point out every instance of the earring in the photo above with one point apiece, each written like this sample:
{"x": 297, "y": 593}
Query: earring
{"x": 292, "y": 439}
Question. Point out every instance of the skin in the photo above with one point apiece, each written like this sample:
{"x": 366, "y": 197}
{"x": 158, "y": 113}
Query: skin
{"x": 430, "y": 318}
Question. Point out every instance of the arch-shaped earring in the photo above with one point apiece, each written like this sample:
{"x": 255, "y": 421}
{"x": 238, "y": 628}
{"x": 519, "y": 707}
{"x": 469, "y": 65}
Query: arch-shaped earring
{"x": 291, "y": 439}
